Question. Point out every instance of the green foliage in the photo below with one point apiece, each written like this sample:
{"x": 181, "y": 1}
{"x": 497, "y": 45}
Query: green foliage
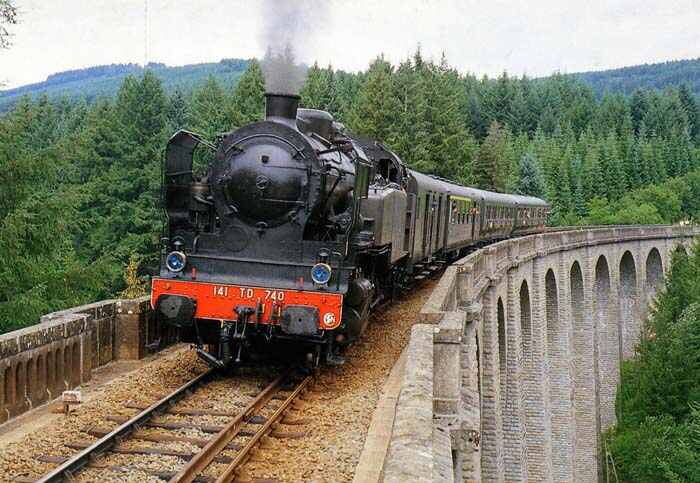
{"x": 376, "y": 105}
{"x": 103, "y": 81}
{"x": 248, "y": 104}
{"x": 80, "y": 180}
{"x": 489, "y": 172}
{"x": 136, "y": 286}
{"x": 628, "y": 80}
{"x": 657, "y": 437}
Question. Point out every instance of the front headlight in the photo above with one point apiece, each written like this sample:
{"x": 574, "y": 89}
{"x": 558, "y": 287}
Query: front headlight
{"x": 175, "y": 261}
{"x": 321, "y": 273}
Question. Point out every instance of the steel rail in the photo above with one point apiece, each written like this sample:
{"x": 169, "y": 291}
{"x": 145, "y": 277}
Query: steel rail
{"x": 66, "y": 470}
{"x": 229, "y": 473}
{"x": 219, "y": 442}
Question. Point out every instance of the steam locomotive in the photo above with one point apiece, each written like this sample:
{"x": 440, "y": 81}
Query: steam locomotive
{"x": 297, "y": 229}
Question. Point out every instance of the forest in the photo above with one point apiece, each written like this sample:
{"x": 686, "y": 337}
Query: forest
{"x": 81, "y": 182}
{"x": 657, "y": 436}
{"x": 92, "y": 83}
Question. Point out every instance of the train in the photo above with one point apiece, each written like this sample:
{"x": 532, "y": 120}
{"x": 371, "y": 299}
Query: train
{"x": 288, "y": 232}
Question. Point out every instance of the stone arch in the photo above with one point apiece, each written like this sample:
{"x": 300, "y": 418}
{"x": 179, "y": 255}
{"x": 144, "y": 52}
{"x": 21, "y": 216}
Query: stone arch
{"x": 608, "y": 345}
{"x": 51, "y": 372}
{"x": 20, "y": 384}
{"x": 502, "y": 351}
{"x": 75, "y": 365}
{"x": 559, "y": 382}
{"x": 525, "y": 324}
{"x": 31, "y": 378}
{"x": 57, "y": 383}
{"x": 654, "y": 273}
{"x": 492, "y": 452}
{"x": 532, "y": 444}
{"x": 8, "y": 397}
{"x": 629, "y": 310}
{"x": 584, "y": 401}
{"x": 41, "y": 379}
{"x": 65, "y": 364}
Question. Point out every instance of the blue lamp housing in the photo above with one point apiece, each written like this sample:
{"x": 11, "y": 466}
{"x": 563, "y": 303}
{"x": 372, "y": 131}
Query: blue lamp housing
{"x": 176, "y": 261}
{"x": 321, "y": 273}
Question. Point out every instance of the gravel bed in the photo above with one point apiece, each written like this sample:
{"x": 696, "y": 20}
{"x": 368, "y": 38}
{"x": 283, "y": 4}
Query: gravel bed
{"x": 340, "y": 406}
{"x": 144, "y": 386}
{"x": 338, "y": 412}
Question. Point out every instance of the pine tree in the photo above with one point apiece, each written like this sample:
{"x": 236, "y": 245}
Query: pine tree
{"x": 627, "y": 147}
{"x": 530, "y": 180}
{"x": 376, "y": 105}
{"x": 638, "y": 109}
{"x": 248, "y": 103}
{"x": 497, "y": 99}
{"x": 520, "y": 116}
{"x": 210, "y": 112}
{"x": 614, "y": 178}
{"x": 319, "y": 89}
{"x": 178, "y": 111}
{"x": 692, "y": 111}
{"x": 592, "y": 175}
{"x": 489, "y": 159}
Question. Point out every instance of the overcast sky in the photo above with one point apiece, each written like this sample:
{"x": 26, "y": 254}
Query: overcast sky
{"x": 536, "y": 37}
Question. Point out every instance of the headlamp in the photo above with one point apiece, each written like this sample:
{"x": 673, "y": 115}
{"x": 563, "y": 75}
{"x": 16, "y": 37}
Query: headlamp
{"x": 321, "y": 273}
{"x": 175, "y": 261}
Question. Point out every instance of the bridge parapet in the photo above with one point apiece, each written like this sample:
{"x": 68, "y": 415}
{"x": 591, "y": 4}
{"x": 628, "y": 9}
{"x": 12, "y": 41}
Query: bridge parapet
{"x": 518, "y": 355}
{"x": 39, "y": 362}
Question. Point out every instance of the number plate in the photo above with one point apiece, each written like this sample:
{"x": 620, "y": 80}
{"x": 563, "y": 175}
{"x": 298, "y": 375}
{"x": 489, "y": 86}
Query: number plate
{"x": 217, "y": 301}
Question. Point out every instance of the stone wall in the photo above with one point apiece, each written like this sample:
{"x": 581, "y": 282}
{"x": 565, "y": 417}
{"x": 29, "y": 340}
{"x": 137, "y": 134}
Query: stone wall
{"x": 518, "y": 356}
{"x": 39, "y": 362}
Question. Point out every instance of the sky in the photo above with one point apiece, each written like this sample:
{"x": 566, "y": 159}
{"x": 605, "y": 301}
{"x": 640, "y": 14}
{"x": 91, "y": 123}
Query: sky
{"x": 533, "y": 37}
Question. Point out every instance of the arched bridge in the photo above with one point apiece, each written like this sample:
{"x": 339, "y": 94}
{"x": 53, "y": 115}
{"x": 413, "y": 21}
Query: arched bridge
{"x": 513, "y": 375}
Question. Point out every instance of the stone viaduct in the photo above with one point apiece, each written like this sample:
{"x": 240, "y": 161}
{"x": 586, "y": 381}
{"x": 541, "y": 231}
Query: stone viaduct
{"x": 512, "y": 376}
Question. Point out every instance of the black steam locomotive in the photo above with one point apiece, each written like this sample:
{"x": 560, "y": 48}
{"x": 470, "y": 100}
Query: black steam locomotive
{"x": 298, "y": 229}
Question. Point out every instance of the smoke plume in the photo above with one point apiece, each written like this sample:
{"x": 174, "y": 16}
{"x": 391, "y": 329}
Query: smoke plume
{"x": 287, "y": 33}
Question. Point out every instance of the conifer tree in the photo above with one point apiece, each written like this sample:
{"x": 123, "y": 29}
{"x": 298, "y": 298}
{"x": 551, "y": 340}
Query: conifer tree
{"x": 489, "y": 159}
{"x": 627, "y": 147}
{"x": 592, "y": 175}
{"x": 376, "y": 106}
{"x": 210, "y": 112}
{"x": 692, "y": 111}
{"x": 497, "y": 99}
{"x": 248, "y": 103}
{"x": 638, "y": 109}
{"x": 530, "y": 180}
{"x": 178, "y": 111}
{"x": 614, "y": 178}
{"x": 319, "y": 89}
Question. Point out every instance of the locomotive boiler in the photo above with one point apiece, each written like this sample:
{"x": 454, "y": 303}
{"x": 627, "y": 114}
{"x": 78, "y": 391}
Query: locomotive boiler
{"x": 295, "y": 229}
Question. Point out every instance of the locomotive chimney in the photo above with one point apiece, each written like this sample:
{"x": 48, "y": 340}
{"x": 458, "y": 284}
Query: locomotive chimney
{"x": 282, "y": 108}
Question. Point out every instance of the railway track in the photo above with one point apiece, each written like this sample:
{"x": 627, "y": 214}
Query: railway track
{"x": 221, "y": 453}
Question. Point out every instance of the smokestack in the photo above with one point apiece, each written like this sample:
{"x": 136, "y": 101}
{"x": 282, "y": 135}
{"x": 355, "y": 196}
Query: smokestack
{"x": 282, "y": 108}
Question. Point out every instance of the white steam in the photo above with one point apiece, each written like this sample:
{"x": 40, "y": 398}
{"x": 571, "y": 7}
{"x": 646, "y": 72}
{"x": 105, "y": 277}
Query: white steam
{"x": 288, "y": 28}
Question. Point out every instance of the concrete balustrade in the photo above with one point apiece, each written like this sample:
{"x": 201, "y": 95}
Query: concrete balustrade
{"x": 518, "y": 355}
{"x": 38, "y": 363}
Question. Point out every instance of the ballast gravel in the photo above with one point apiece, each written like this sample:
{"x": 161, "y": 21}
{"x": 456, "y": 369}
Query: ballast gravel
{"x": 326, "y": 447}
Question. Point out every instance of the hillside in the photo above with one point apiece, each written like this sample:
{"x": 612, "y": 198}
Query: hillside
{"x": 104, "y": 80}
{"x": 647, "y": 76}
